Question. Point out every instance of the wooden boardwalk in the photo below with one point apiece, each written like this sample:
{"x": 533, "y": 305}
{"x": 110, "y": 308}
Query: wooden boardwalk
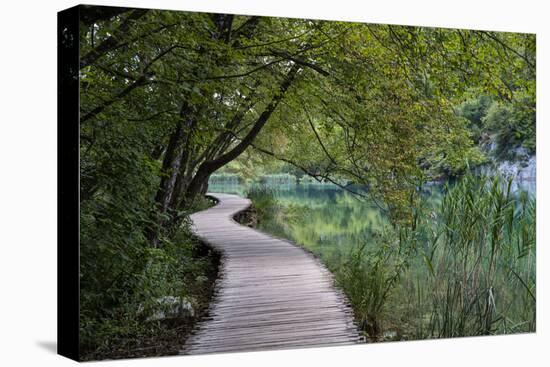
{"x": 271, "y": 293}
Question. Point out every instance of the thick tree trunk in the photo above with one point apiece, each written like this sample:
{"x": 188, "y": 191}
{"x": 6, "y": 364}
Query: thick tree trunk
{"x": 174, "y": 159}
{"x": 224, "y": 23}
{"x": 170, "y": 165}
{"x": 174, "y": 188}
{"x": 204, "y": 186}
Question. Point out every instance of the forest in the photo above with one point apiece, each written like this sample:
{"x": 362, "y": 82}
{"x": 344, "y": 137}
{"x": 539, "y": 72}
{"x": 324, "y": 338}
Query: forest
{"x": 175, "y": 104}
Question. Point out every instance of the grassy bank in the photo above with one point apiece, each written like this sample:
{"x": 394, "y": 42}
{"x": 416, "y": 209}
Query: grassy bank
{"x": 464, "y": 266}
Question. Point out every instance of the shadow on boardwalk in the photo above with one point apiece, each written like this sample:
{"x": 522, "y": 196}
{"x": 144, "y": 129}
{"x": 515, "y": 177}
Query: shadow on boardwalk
{"x": 271, "y": 293}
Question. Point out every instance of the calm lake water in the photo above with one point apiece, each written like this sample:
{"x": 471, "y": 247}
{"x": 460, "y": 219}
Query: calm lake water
{"x": 326, "y": 219}
{"x": 323, "y": 218}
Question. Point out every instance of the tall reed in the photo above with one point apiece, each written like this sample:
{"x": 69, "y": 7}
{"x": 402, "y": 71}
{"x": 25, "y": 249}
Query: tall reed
{"x": 464, "y": 267}
{"x": 481, "y": 273}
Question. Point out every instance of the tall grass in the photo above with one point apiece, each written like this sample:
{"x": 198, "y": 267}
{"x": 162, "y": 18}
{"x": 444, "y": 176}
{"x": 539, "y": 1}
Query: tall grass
{"x": 481, "y": 263}
{"x": 264, "y": 200}
{"x": 368, "y": 278}
{"x": 465, "y": 267}
{"x": 278, "y": 179}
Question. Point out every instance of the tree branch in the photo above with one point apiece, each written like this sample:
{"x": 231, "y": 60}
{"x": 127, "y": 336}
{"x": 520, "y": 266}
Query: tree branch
{"x": 507, "y": 47}
{"x": 316, "y": 176}
{"x": 301, "y": 62}
{"x": 111, "y": 41}
{"x": 208, "y": 167}
{"x": 138, "y": 82}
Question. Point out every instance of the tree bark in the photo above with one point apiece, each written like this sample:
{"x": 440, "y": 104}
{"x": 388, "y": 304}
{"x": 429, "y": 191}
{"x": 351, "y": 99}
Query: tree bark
{"x": 224, "y": 23}
{"x": 176, "y": 155}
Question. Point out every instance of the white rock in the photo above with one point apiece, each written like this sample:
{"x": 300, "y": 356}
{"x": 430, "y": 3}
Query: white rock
{"x": 201, "y": 279}
{"x": 170, "y": 307}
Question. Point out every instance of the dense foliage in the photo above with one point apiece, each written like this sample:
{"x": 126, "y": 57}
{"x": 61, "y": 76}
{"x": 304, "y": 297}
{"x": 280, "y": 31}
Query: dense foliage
{"x": 505, "y": 125}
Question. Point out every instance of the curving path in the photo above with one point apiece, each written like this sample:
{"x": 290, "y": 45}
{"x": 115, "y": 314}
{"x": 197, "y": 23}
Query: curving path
{"x": 271, "y": 293}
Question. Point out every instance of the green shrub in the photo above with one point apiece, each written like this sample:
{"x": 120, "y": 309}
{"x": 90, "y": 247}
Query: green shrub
{"x": 113, "y": 317}
{"x": 368, "y": 278}
{"x": 264, "y": 199}
{"x": 513, "y": 125}
{"x": 474, "y": 110}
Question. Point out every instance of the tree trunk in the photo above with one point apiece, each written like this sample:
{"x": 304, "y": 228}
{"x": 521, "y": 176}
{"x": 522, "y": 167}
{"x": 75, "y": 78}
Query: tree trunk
{"x": 204, "y": 187}
{"x": 175, "y": 157}
{"x": 209, "y": 167}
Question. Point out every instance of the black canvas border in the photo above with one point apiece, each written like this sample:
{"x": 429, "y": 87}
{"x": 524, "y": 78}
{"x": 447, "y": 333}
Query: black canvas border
{"x": 68, "y": 211}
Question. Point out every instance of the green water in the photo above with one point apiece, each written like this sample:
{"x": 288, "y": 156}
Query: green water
{"x": 323, "y": 218}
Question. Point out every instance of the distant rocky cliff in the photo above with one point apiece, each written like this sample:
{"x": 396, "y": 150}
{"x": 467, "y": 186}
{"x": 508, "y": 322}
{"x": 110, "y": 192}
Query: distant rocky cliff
{"x": 522, "y": 168}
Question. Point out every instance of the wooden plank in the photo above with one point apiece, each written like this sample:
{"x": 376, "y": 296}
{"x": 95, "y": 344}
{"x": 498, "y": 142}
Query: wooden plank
{"x": 271, "y": 294}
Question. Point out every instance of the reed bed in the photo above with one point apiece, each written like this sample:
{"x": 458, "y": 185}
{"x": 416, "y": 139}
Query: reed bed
{"x": 464, "y": 266}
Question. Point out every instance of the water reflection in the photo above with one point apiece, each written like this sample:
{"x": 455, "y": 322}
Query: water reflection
{"x": 323, "y": 218}
{"x": 328, "y": 220}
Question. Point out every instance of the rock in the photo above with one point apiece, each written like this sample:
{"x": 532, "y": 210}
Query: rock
{"x": 201, "y": 279}
{"x": 529, "y": 170}
{"x": 522, "y": 169}
{"x": 390, "y": 335}
{"x": 170, "y": 307}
